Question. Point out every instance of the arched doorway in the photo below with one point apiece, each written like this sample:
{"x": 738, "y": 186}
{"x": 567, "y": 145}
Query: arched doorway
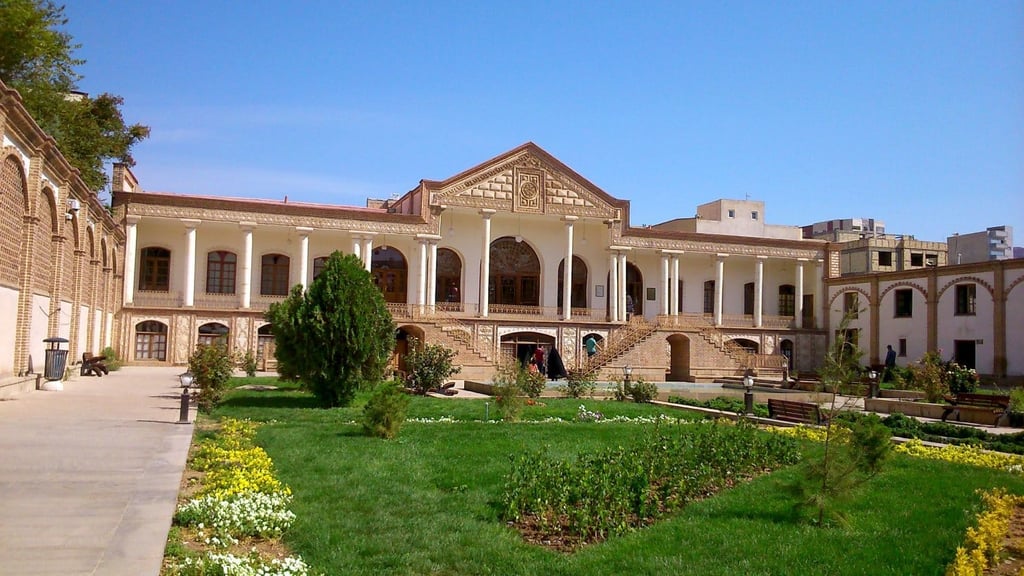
{"x": 514, "y": 274}
{"x": 679, "y": 363}
{"x": 265, "y": 347}
{"x": 578, "y": 289}
{"x": 390, "y": 273}
{"x": 520, "y": 345}
{"x": 635, "y": 287}
{"x": 403, "y": 337}
{"x": 748, "y": 345}
{"x": 448, "y": 292}
{"x": 151, "y": 340}
{"x": 786, "y": 349}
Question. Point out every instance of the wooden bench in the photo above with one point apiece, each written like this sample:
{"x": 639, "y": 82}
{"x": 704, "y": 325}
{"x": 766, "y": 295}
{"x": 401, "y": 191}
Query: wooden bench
{"x": 793, "y": 411}
{"x": 93, "y": 365}
{"x": 984, "y": 404}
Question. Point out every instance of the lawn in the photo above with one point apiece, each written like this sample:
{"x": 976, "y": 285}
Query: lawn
{"x": 426, "y": 503}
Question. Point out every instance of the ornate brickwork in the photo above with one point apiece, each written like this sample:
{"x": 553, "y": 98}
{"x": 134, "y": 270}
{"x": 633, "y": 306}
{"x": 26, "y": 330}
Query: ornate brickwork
{"x": 570, "y": 345}
{"x": 45, "y": 230}
{"x": 485, "y": 338}
{"x": 13, "y": 206}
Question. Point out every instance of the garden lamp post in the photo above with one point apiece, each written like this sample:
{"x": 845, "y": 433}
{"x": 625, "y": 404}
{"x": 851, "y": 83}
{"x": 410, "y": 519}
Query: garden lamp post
{"x": 627, "y": 371}
{"x": 872, "y": 384}
{"x": 748, "y": 394}
{"x": 186, "y": 380}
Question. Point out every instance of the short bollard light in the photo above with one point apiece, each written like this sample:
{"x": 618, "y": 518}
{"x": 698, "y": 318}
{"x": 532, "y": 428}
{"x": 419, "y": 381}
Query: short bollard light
{"x": 627, "y": 373}
{"x": 487, "y": 411}
{"x": 748, "y": 395}
{"x": 873, "y": 384}
{"x": 186, "y": 380}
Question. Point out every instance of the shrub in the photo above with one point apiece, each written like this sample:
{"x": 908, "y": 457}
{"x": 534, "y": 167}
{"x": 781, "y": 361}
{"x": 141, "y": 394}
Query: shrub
{"x": 723, "y": 403}
{"x": 249, "y": 364}
{"x": 532, "y": 383}
{"x": 211, "y": 367}
{"x": 578, "y": 383}
{"x": 384, "y": 412}
{"x": 507, "y": 391}
{"x": 113, "y": 360}
{"x": 429, "y": 365}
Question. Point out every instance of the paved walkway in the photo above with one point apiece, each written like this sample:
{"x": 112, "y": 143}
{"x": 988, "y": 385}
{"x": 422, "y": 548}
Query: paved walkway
{"x": 89, "y": 476}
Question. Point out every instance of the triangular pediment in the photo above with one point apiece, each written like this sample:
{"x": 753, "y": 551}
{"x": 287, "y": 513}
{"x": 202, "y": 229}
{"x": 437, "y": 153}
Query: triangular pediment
{"x": 526, "y": 180}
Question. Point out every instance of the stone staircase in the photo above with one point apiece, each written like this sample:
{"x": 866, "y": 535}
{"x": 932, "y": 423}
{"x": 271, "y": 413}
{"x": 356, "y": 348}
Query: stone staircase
{"x": 620, "y": 341}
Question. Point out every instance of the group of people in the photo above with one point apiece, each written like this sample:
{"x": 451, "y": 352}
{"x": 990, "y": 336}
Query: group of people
{"x": 549, "y": 364}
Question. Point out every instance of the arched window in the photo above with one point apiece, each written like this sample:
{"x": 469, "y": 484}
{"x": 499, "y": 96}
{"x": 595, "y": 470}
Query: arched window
{"x": 213, "y": 333}
{"x": 787, "y": 300}
{"x": 151, "y": 340}
{"x": 220, "y": 272}
{"x": 274, "y": 275}
{"x": 579, "y": 282}
{"x": 635, "y": 288}
{"x": 449, "y": 277}
{"x": 390, "y": 273}
{"x": 155, "y": 269}
{"x": 318, "y": 265}
{"x": 514, "y": 274}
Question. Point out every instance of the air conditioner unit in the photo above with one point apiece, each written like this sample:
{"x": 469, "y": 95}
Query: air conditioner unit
{"x": 74, "y": 205}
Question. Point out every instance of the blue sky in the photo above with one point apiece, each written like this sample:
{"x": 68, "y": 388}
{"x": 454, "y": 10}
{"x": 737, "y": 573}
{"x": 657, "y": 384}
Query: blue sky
{"x": 907, "y": 112}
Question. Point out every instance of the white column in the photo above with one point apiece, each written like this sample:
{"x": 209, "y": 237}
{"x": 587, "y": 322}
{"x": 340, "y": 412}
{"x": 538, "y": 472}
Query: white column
{"x": 674, "y": 302}
{"x": 666, "y": 296}
{"x": 485, "y": 260}
{"x": 567, "y": 269}
{"x": 798, "y": 304}
{"x": 819, "y": 292}
{"x": 432, "y": 276}
{"x": 190, "y": 260}
{"x": 719, "y": 284}
{"x": 421, "y": 278}
{"x": 247, "y": 264}
{"x": 304, "y": 255}
{"x": 613, "y": 287}
{"x": 357, "y": 243}
{"x": 622, "y": 288}
{"x": 367, "y": 252}
{"x": 759, "y": 291}
{"x": 129, "y": 259}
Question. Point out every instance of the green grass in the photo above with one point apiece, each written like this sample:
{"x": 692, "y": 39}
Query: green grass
{"x": 425, "y": 503}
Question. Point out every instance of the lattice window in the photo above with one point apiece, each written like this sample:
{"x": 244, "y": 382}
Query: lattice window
{"x": 42, "y": 257}
{"x": 709, "y": 297}
{"x": 220, "y": 272}
{"x": 787, "y": 300}
{"x": 318, "y": 265}
{"x": 12, "y": 218}
{"x": 213, "y": 333}
{"x": 274, "y": 275}
{"x": 155, "y": 269}
{"x": 514, "y": 273}
{"x": 151, "y": 340}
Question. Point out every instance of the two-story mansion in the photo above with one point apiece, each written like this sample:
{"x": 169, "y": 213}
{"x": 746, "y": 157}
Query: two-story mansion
{"x": 516, "y": 252}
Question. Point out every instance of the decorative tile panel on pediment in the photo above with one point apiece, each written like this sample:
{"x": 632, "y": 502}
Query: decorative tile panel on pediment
{"x": 286, "y": 220}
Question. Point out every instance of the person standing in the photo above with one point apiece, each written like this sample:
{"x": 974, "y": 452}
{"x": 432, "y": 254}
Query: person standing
{"x": 538, "y": 358}
{"x": 890, "y": 363}
{"x": 591, "y": 345}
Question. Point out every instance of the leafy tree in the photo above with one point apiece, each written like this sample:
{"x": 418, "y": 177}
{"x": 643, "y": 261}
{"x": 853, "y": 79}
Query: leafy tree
{"x": 429, "y": 365}
{"x": 851, "y": 455}
{"x": 37, "y": 60}
{"x": 335, "y": 336}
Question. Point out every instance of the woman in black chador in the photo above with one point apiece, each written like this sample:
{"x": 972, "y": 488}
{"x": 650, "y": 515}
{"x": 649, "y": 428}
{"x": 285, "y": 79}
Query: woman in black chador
{"x": 556, "y": 369}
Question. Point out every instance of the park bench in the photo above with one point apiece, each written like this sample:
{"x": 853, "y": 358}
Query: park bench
{"x": 794, "y": 411}
{"x": 93, "y": 365}
{"x": 979, "y": 404}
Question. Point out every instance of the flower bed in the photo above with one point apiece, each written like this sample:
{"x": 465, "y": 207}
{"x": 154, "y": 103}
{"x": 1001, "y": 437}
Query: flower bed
{"x": 239, "y": 505}
{"x": 989, "y": 538}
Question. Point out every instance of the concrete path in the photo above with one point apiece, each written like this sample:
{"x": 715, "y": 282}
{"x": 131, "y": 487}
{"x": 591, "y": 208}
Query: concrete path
{"x": 89, "y": 475}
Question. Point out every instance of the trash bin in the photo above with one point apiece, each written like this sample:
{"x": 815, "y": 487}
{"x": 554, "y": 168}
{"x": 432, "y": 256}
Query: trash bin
{"x": 56, "y": 359}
